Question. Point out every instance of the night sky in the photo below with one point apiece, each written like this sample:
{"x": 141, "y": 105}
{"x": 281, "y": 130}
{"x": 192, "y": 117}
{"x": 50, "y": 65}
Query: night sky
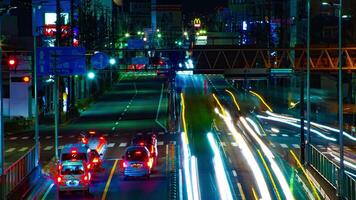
{"x": 196, "y": 5}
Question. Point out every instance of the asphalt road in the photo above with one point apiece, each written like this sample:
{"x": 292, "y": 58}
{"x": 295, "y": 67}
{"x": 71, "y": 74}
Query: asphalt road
{"x": 130, "y": 108}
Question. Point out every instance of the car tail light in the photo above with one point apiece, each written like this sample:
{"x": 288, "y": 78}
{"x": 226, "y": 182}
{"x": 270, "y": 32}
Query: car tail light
{"x": 85, "y": 140}
{"x": 74, "y": 151}
{"x": 152, "y": 150}
{"x": 91, "y": 132}
{"x": 88, "y": 166}
{"x": 95, "y": 160}
{"x": 85, "y": 178}
{"x": 59, "y": 167}
{"x": 124, "y": 164}
{"x": 149, "y": 163}
{"x": 59, "y": 179}
{"x": 142, "y": 143}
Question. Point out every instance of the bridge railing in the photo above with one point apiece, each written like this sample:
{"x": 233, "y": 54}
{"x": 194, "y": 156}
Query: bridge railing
{"x": 296, "y": 58}
{"x": 329, "y": 170}
{"x": 17, "y": 172}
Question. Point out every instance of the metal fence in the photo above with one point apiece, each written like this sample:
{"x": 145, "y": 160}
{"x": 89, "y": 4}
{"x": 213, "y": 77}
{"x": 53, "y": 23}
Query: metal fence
{"x": 17, "y": 172}
{"x": 329, "y": 170}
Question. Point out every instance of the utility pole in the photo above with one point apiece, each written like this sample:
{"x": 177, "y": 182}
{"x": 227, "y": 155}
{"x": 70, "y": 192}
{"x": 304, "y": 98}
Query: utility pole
{"x": 341, "y": 110}
{"x": 34, "y": 74}
{"x": 56, "y": 79}
{"x": 2, "y": 132}
{"x": 308, "y": 83}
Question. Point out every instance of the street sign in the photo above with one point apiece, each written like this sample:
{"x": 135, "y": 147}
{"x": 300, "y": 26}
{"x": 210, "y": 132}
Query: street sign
{"x": 135, "y": 44}
{"x": 61, "y": 61}
{"x": 99, "y": 60}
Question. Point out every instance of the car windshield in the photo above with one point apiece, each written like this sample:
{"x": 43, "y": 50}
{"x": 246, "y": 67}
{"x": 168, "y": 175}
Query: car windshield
{"x": 72, "y": 170}
{"x": 136, "y": 155}
{"x": 75, "y": 156}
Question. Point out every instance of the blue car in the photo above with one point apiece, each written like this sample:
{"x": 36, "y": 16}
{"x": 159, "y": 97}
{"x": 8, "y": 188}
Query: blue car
{"x": 137, "y": 162}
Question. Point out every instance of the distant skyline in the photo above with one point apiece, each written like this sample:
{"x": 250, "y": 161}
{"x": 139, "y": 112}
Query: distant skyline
{"x": 202, "y": 5}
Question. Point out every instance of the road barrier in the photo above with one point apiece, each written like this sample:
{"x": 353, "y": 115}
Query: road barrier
{"x": 329, "y": 170}
{"x": 17, "y": 172}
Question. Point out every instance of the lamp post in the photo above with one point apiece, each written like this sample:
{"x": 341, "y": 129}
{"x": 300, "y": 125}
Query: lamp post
{"x": 340, "y": 181}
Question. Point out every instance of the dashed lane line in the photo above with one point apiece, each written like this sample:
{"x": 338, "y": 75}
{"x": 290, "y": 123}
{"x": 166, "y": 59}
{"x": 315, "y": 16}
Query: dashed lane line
{"x": 48, "y": 148}
{"x": 296, "y": 146}
{"x": 284, "y": 146}
{"x": 25, "y": 138}
{"x": 111, "y": 145}
{"x": 234, "y": 173}
{"x": 160, "y": 143}
{"x": 23, "y": 149}
{"x": 13, "y": 138}
{"x": 123, "y": 144}
{"x": 10, "y": 150}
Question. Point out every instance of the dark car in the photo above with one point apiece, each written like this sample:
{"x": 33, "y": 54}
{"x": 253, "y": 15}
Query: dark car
{"x": 149, "y": 141}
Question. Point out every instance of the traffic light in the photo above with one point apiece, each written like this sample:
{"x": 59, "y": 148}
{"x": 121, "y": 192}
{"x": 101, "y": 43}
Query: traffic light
{"x": 12, "y": 63}
{"x": 21, "y": 79}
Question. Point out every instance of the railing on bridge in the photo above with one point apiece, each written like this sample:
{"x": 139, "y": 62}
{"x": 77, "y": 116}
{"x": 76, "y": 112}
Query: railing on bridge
{"x": 17, "y": 172}
{"x": 329, "y": 170}
{"x": 296, "y": 58}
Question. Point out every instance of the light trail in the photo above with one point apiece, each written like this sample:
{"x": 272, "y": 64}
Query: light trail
{"x": 254, "y": 125}
{"x": 233, "y": 98}
{"x": 296, "y": 125}
{"x": 220, "y": 175}
{"x": 247, "y": 153}
{"x": 347, "y": 163}
{"x": 269, "y": 174}
{"x": 183, "y": 118}
{"x": 305, "y": 174}
{"x": 221, "y": 107}
{"x": 262, "y": 100}
{"x": 312, "y": 123}
{"x": 268, "y": 153}
{"x": 187, "y": 174}
{"x": 195, "y": 177}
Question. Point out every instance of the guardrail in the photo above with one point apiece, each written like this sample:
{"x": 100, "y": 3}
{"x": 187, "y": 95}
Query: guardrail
{"x": 17, "y": 172}
{"x": 329, "y": 170}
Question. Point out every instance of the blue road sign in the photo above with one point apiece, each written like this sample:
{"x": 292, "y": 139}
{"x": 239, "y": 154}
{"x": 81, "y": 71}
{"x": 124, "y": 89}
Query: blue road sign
{"x": 62, "y": 61}
{"x": 99, "y": 60}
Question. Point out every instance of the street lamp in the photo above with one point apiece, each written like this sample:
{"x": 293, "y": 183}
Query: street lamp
{"x": 112, "y": 61}
{"x": 91, "y": 75}
{"x": 340, "y": 101}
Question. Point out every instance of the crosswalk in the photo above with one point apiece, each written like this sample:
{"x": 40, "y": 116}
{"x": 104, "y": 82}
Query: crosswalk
{"x": 109, "y": 145}
{"x": 48, "y": 137}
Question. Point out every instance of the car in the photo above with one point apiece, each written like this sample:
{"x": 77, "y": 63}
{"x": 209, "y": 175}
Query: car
{"x": 149, "y": 141}
{"x": 75, "y": 152}
{"x": 73, "y": 175}
{"x": 97, "y": 145}
{"x": 137, "y": 162}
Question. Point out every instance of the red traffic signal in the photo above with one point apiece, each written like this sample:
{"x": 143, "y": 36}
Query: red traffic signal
{"x": 12, "y": 63}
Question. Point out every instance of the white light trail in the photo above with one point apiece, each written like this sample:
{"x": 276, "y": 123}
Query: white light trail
{"x": 250, "y": 159}
{"x": 195, "y": 177}
{"x": 268, "y": 153}
{"x": 296, "y": 125}
{"x": 223, "y": 185}
{"x": 186, "y": 155}
{"x": 254, "y": 125}
{"x": 312, "y": 123}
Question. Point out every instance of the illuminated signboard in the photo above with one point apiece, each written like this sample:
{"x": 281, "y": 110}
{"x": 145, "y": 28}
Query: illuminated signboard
{"x": 201, "y": 40}
{"x": 51, "y": 18}
{"x": 197, "y": 23}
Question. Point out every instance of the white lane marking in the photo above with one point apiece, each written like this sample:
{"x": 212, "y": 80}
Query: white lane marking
{"x": 223, "y": 144}
{"x": 161, "y": 133}
{"x": 48, "y": 137}
{"x": 113, "y": 128}
{"x": 111, "y": 145}
{"x": 116, "y": 123}
{"x": 25, "y": 138}
{"x": 72, "y": 136}
{"x": 60, "y": 147}
{"x": 273, "y": 135}
{"x": 139, "y": 133}
{"x": 284, "y": 135}
{"x": 123, "y": 144}
{"x": 234, "y": 173}
{"x": 60, "y": 136}
{"x": 106, "y": 135}
{"x": 160, "y": 143}
{"x": 273, "y": 145}
{"x": 125, "y": 110}
{"x": 23, "y": 149}
{"x": 234, "y": 144}
{"x": 320, "y": 146}
{"x": 284, "y": 146}
{"x": 48, "y": 148}
{"x": 296, "y": 146}
{"x": 10, "y": 150}
{"x": 229, "y": 133}
{"x": 13, "y": 138}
